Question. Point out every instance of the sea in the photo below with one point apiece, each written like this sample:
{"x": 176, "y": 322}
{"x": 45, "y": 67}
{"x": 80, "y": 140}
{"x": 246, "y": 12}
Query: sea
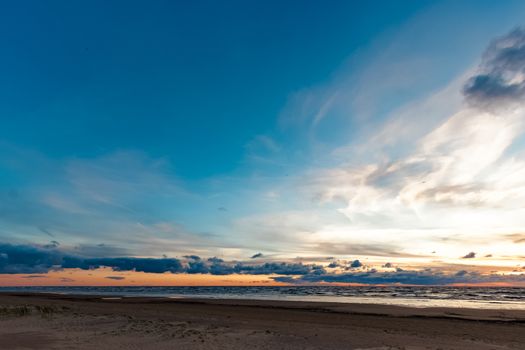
{"x": 427, "y": 296}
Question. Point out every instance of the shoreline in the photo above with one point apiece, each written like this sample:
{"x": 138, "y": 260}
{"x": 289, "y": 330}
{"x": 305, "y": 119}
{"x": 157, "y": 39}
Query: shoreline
{"x": 402, "y": 302}
{"x": 28, "y": 320}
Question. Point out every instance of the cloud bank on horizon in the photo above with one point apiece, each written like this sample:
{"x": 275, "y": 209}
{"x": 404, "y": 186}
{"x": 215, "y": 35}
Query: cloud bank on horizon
{"x": 362, "y": 179}
{"x": 30, "y": 260}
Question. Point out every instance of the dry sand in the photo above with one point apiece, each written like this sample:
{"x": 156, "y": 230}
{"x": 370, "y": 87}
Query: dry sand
{"x": 79, "y": 322}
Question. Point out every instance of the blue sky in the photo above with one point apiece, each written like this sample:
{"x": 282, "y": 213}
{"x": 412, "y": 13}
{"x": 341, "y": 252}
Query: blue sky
{"x": 295, "y": 129}
{"x": 92, "y": 78}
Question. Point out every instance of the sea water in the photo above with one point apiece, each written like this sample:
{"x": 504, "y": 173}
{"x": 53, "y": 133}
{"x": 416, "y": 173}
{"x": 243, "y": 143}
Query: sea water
{"x": 427, "y": 296}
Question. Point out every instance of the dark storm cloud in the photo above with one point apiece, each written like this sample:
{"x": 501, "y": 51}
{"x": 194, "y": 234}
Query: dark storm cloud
{"x": 41, "y": 259}
{"x": 197, "y": 266}
{"x": 28, "y": 259}
{"x": 149, "y": 265}
{"x": 500, "y": 74}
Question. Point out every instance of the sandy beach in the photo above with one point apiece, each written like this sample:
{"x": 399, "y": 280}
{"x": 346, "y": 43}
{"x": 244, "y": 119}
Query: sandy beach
{"x": 29, "y": 321}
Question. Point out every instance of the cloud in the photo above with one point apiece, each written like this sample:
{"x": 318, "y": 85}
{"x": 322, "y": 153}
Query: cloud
{"x": 370, "y": 249}
{"x": 52, "y": 244}
{"x": 264, "y": 151}
{"x": 24, "y": 259}
{"x": 192, "y": 257}
{"x": 334, "y": 264}
{"x": 216, "y": 266}
{"x": 265, "y": 142}
{"x": 281, "y": 268}
{"x": 392, "y": 69}
{"x": 197, "y": 266}
{"x": 28, "y": 259}
{"x": 517, "y": 237}
{"x": 470, "y": 255}
{"x": 501, "y": 77}
{"x": 16, "y": 259}
{"x": 98, "y": 250}
{"x": 96, "y": 199}
{"x": 355, "y": 264}
{"x": 258, "y": 255}
{"x": 132, "y": 202}
{"x": 46, "y": 231}
{"x": 116, "y": 278}
{"x": 125, "y": 264}
{"x": 425, "y": 277}
{"x": 463, "y": 172}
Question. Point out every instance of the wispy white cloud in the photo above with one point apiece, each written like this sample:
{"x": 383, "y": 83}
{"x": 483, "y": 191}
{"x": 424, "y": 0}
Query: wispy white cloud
{"x": 435, "y": 168}
{"x": 456, "y": 176}
{"x": 122, "y": 201}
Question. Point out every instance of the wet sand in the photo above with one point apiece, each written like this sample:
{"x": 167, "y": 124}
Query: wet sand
{"x": 29, "y": 321}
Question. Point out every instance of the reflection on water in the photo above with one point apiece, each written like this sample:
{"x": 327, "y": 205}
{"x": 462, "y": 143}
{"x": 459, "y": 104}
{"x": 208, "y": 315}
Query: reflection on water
{"x": 472, "y": 297}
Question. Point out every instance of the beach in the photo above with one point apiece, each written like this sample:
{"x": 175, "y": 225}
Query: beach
{"x": 52, "y": 321}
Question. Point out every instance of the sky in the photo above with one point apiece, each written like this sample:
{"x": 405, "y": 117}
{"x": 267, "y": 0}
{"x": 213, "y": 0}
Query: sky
{"x": 262, "y": 142}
